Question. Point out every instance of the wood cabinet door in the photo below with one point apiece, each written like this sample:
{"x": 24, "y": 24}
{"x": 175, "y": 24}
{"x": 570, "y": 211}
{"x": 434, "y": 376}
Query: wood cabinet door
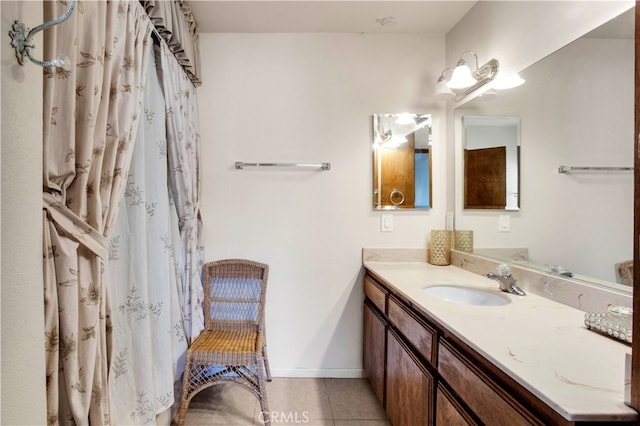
{"x": 449, "y": 412}
{"x": 410, "y": 387}
{"x": 374, "y": 345}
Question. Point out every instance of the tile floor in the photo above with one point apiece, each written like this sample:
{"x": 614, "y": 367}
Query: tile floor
{"x": 292, "y": 401}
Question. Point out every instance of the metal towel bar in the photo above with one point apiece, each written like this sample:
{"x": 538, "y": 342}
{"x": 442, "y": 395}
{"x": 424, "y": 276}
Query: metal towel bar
{"x": 569, "y": 169}
{"x": 324, "y": 166}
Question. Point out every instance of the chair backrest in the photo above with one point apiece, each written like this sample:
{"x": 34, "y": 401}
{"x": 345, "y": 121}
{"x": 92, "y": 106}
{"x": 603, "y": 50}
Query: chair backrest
{"x": 234, "y": 294}
{"x": 625, "y": 272}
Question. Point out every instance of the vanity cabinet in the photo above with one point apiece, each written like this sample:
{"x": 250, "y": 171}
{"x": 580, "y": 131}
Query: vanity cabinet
{"x": 491, "y": 404}
{"x": 448, "y": 410}
{"x": 424, "y": 374}
{"x": 409, "y": 386}
{"x": 375, "y": 336}
{"x": 374, "y": 344}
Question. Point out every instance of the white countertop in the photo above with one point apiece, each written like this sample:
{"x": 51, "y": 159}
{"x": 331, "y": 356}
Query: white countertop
{"x": 540, "y": 343}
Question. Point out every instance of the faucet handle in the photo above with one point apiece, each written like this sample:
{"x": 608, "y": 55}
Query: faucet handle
{"x": 504, "y": 269}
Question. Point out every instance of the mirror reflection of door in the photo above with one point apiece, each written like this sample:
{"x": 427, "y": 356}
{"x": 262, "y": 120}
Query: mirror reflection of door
{"x": 485, "y": 178}
{"x": 491, "y": 162}
{"x": 401, "y": 161}
{"x": 398, "y": 164}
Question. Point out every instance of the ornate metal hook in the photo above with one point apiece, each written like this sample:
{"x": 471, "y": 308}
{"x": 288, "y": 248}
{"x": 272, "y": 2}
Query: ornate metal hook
{"x": 21, "y": 40}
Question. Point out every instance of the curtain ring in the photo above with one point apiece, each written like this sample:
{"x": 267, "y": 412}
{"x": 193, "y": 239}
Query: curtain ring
{"x": 393, "y": 197}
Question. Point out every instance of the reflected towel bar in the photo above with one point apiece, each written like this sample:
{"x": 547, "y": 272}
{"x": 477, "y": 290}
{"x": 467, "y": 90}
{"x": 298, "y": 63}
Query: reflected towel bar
{"x": 569, "y": 169}
{"x": 323, "y": 166}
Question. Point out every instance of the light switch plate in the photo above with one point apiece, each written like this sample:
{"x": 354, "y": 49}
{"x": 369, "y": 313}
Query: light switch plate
{"x": 386, "y": 222}
{"x": 504, "y": 223}
{"x": 449, "y": 224}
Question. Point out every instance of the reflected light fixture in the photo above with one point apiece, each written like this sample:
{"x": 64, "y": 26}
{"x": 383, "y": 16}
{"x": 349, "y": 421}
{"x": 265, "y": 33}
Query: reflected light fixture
{"x": 508, "y": 80}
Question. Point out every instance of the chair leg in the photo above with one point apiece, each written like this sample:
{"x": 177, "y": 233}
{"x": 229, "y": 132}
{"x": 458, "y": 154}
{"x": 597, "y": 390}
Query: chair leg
{"x": 184, "y": 398}
{"x": 266, "y": 362}
{"x": 264, "y": 406}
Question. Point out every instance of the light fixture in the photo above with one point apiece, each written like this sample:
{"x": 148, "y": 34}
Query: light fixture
{"x": 442, "y": 90}
{"x": 21, "y": 39}
{"x": 507, "y": 80}
{"x": 464, "y": 80}
{"x": 462, "y": 77}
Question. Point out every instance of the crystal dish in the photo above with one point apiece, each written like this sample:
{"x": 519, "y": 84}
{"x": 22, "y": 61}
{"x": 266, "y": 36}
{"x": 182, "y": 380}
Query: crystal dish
{"x": 616, "y": 322}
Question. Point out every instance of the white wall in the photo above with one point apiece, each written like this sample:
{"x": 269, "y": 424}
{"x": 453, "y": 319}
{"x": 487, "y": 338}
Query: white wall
{"x": 22, "y": 370}
{"x": 310, "y": 97}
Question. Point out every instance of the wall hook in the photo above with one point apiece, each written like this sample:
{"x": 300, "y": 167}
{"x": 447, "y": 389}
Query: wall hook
{"x": 21, "y": 40}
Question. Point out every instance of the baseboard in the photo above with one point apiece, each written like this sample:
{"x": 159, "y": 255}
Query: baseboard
{"x": 338, "y": 373}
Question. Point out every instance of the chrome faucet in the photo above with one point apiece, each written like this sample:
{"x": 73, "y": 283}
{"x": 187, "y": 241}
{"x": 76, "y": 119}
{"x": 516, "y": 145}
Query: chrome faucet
{"x": 506, "y": 280}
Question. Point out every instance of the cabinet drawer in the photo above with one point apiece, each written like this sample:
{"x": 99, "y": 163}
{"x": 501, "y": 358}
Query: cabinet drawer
{"x": 490, "y": 407}
{"x": 377, "y": 295}
{"x": 421, "y": 336}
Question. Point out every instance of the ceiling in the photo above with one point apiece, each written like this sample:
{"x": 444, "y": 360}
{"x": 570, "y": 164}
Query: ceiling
{"x": 353, "y": 16}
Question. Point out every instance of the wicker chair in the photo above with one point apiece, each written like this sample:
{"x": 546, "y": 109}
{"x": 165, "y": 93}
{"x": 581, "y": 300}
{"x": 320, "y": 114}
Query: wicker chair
{"x": 232, "y": 347}
{"x": 625, "y": 272}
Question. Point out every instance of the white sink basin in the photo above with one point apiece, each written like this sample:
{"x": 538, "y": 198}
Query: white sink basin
{"x": 466, "y": 295}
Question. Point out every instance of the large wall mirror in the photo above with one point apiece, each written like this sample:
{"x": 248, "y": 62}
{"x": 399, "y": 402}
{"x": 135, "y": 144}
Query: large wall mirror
{"x": 576, "y": 109}
{"x": 402, "y": 161}
{"x": 491, "y": 159}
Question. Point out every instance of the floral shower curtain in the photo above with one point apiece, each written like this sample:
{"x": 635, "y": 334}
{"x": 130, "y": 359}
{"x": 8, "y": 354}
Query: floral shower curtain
{"x": 183, "y": 147}
{"x": 148, "y": 333}
{"x": 91, "y": 116}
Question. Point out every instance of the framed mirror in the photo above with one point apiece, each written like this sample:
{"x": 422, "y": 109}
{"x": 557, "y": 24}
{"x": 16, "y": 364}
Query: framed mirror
{"x": 401, "y": 161}
{"x": 491, "y": 162}
{"x": 576, "y": 110}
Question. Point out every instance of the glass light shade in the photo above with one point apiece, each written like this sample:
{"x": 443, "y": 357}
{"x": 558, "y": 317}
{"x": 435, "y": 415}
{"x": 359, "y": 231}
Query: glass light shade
{"x": 507, "y": 80}
{"x": 461, "y": 78}
{"x": 442, "y": 90}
